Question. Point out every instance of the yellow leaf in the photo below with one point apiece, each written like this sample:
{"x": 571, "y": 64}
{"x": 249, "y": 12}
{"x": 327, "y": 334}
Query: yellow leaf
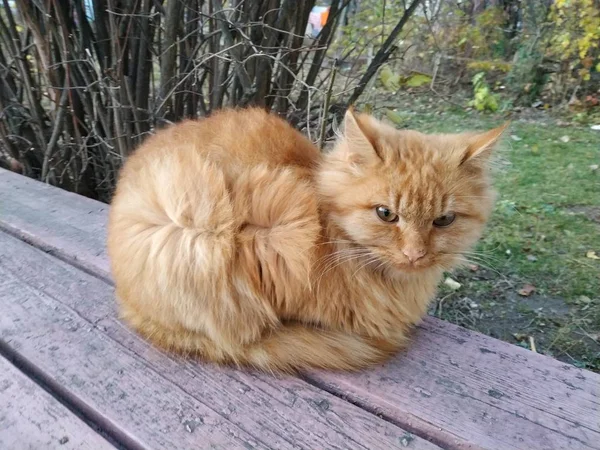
{"x": 592, "y": 255}
{"x": 418, "y": 80}
{"x": 452, "y": 283}
{"x": 598, "y": 67}
{"x": 390, "y": 80}
{"x": 19, "y": 28}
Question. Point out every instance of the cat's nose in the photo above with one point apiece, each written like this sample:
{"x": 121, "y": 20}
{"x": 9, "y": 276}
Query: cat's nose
{"x": 414, "y": 253}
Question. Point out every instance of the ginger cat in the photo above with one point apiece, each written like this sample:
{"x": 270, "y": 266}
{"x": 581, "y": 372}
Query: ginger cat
{"x": 234, "y": 239}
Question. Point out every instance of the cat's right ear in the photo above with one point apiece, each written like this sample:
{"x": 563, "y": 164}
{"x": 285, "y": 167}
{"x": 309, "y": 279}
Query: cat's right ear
{"x": 480, "y": 145}
{"x": 359, "y": 138}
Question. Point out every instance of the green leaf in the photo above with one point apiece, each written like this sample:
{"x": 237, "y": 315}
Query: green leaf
{"x": 478, "y": 78}
{"x": 417, "y": 80}
{"x": 394, "y": 116}
{"x": 389, "y": 79}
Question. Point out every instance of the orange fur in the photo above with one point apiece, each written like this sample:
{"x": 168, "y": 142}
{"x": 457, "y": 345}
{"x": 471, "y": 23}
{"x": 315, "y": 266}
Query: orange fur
{"x": 234, "y": 239}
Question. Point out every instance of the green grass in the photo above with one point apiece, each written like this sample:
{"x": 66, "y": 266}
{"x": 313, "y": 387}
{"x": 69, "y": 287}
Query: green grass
{"x": 540, "y": 192}
{"x": 547, "y": 218}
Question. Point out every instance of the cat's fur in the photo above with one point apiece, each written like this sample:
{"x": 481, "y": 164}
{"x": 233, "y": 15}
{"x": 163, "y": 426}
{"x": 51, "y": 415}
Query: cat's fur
{"x": 233, "y": 238}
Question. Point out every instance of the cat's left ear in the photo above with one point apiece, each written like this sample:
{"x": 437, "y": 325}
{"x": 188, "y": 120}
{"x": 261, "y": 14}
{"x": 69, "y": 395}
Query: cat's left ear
{"x": 359, "y": 134}
{"x": 480, "y": 146}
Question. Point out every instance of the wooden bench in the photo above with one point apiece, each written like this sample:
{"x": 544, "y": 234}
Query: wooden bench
{"x": 73, "y": 376}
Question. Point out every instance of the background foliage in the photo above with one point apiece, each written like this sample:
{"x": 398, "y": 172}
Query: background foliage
{"x": 83, "y": 82}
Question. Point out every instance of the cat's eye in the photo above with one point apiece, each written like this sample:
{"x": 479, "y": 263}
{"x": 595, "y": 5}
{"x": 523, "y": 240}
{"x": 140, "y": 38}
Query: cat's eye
{"x": 386, "y": 215}
{"x": 445, "y": 220}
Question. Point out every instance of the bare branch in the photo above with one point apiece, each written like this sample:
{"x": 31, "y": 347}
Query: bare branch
{"x": 384, "y": 52}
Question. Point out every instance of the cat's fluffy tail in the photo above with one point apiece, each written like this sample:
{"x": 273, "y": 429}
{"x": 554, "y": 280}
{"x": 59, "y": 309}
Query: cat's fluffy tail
{"x": 287, "y": 348}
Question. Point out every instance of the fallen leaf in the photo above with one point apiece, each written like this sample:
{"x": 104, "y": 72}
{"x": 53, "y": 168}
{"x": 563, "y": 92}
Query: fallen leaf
{"x": 520, "y": 336}
{"x": 526, "y": 290}
{"x": 565, "y": 139}
{"x": 417, "y": 80}
{"x": 390, "y": 80}
{"x": 592, "y": 255}
{"x": 535, "y": 149}
{"x": 595, "y": 127}
{"x": 452, "y": 284}
{"x": 394, "y": 116}
{"x": 594, "y": 167}
{"x": 531, "y": 258}
{"x": 516, "y": 138}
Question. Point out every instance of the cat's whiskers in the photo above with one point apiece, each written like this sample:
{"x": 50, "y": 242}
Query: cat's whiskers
{"x": 369, "y": 261}
{"x": 383, "y": 265}
{"x": 320, "y": 244}
{"x": 472, "y": 259}
{"x": 486, "y": 265}
{"x": 338, "y": 261}
{"x": 326, "y": 259}
{"x": 488, "y": 254}
{"x": 338, "y": 258}
{"x": 473, "y": 196}
{"x": 347, "y": 258}
{"x": 485, "y": 256}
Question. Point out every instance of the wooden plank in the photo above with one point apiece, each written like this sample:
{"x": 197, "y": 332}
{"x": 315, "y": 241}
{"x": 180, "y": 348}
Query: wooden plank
{"x": 55, "y": 220}
{"x": 456, "y": 384}
{"x": 62, "y": 320}
{"x": 458, "y": 388}
{"x": 30, "y": 418}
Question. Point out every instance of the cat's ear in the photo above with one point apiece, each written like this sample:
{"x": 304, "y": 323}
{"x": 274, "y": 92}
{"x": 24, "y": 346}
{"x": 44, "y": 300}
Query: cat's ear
{"x": 359, "y": 136}
{"x": 479, "y": 146}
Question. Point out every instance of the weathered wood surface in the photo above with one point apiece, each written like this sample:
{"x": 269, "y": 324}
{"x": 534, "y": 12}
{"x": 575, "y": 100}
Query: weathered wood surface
{"x": 55, "y": 220}
{"x": 62, "y": 320}
{"x": 458, "y": 388}
{"x": 454, "y": 383}
{"x": 31, "y": 419}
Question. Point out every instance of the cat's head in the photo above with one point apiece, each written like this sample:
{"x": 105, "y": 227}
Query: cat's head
{"x": 414, "y": 201}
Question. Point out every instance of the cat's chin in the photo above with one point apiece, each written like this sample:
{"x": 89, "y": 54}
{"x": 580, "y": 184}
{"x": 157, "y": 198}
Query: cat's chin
{"x": 412, "y": 269}
{"x": 407, "y": 268}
